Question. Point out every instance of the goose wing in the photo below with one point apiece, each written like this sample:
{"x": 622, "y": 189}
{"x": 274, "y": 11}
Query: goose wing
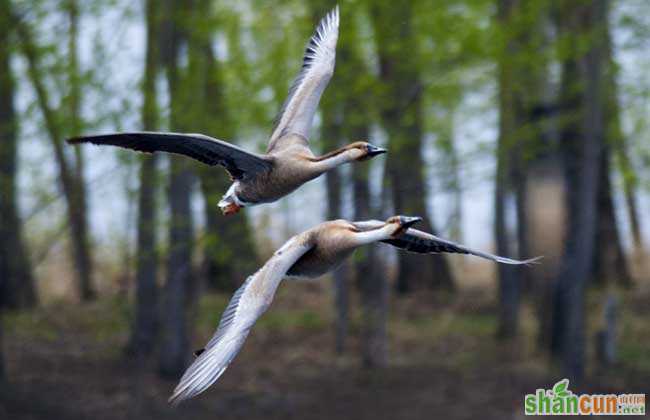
{"x": 238, "y": 162}
{"x": 298, "y": 110}
{"x": 248, "y": 303}
{"x": 425, "y": 243}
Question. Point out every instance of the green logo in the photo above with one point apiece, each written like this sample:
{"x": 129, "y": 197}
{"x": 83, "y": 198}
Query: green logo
{"x": 561, "y": 401}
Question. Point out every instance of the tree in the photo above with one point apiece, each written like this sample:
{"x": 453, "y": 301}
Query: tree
{"x": 73, "y": 188}
{"x": 15, "y": 269}
{"x": 522, "y": 142}
{"x": 331, "y": 137}
{"x": 402, "y": 118}
{"x": 359, "y": 113}
{"x": 609, "y": 259}
{"x": 84, "y": 260}
{"x": 175, "y": 343}
{"x": 228, "y": 247}
{"x": 508, "y": 279}
{"x": 145, "y": 325}
{"x": 581, "y": 138}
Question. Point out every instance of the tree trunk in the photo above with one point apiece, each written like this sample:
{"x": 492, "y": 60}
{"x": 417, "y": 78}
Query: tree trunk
{"x": 3, "y": 375}
{"x": 175, "y": 344}
{"x": 145, "y": 325}
{"x": 508, "y": 164}
{"x": 609, "y": 265}
{"x": 402, "y": 117}
{"x": 371, "y": 280}
{"x": 81, "y": 244}
{"x": 523, "y": 142}
{"x": 581, "y": 138}
{"x": 619, "y": 144}
{"x": 72, "y": 187}
{"x": 229, "y": 248}
{"x": 15, "y": 268}
{"x": 331, "y": 139}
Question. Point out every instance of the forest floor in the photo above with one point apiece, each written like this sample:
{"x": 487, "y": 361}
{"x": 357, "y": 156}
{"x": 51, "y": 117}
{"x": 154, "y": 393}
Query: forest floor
{"x": 65, "y": 361}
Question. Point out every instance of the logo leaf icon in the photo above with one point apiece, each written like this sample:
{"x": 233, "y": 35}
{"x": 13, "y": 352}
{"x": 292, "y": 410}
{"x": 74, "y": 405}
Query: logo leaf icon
{"x": 560, "y": 388}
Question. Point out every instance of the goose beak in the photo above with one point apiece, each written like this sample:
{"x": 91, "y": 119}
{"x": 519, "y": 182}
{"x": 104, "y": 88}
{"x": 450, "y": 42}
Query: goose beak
{"x": 406, "y": 221}
{"x": 374, "y": 150}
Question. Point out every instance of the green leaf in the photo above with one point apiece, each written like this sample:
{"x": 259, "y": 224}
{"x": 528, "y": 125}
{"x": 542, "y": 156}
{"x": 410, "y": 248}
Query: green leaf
{"x": 560, "y": 388}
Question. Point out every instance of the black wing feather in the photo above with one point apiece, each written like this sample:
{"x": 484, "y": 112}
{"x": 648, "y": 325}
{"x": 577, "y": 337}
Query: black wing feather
{"x": 425, "y": 243}
{"x": 422, "y": 246}
{"x": 208, "y": 150}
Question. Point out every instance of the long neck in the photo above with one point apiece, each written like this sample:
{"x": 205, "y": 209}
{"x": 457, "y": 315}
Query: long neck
{"x": 333, "y": 159}
{"x": 375, "y": 235}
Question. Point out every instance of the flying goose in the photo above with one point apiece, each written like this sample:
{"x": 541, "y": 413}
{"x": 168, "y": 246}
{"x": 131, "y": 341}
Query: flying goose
{"x": 288, "y": 162}
{"x": 308, "y": 254}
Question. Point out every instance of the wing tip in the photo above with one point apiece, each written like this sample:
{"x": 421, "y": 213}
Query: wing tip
{"x": 76, "y": 140}
{"x": 533, "y": 261}
{"x": 178, "y": 397}
{"x": 174, "y": 400}
{"x": 331, "y": 19}
{"x": 529, "y": 262}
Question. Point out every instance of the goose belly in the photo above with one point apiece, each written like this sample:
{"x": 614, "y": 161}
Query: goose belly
{"x": 317, "y": 262}
{"x": 274, "y": 185}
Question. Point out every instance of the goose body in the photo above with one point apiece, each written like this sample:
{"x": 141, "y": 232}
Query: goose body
{"x": 309, "y": 254}
{"x": 288, "y": 162}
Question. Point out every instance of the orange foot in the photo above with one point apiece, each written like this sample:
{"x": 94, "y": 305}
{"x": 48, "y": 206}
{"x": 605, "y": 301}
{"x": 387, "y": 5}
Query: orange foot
{"x": 231, "y": 208}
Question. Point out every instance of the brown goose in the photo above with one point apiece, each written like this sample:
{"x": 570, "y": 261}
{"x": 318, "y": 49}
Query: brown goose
{"x": 288, "y": 162}
{"x": 311, "y": 254}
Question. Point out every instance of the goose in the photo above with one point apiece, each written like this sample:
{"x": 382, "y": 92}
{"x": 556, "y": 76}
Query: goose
{"x": 307, "y": 254}
{"x": 288, "y": 162}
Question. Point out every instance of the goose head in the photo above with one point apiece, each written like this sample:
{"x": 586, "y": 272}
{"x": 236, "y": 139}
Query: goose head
{"x": 362, "y": 150}
{"x": 402, "y": 223}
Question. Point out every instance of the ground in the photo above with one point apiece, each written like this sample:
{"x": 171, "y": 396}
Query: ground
{"x": 65, "y": 361}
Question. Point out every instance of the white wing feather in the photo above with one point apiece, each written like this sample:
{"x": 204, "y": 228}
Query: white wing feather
{"x": 297, "y": 112}
{"x": 248, "y": 303}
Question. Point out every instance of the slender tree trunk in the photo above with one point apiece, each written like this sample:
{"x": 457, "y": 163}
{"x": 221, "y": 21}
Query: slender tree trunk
{"x": 371, "y": 280}
{"x": 340, "y": 275}
{"x": 145, "y": 325}
{"x": 582, "y": 139}
{"x": 454, "y": 182}
{"x": 508, "y": 279}
{"x": 3, "y": 374}
{"x": 175, "y": 343}
{"x": 402, "y": 117}
{"x": 619, "y": 144}
{"x": 523, "y": 142}
{"x": 15, "y": 268}
{"x": 229, "y": 248}
{"x": 331, "y": 139}
{"x": 631, "y": 203}
{"x": 609, "y": 260}
{"x": 82, "y": 243}
{"x": 76, "y": 209}
{"x": 609, "y": 264}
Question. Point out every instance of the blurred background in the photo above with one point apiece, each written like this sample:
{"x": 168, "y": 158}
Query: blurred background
{"x": 518, "y": 127}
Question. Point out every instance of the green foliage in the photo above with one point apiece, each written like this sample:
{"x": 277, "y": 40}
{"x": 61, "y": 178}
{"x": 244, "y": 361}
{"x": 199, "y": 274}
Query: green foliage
{"x": 102, "y": 321}
{"x": 277, "y": 320}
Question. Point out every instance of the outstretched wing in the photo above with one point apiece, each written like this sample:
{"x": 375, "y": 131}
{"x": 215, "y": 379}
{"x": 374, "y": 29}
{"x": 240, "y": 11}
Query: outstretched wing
{"x": 211, "y": 151}
{"x": 425, "y": 243}
{"x": 298, "y": 110}
{"x": 248, "y": 303}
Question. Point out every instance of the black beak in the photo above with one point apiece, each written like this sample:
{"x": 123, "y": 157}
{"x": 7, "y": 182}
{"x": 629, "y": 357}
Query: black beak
{"x": 374, "y": 150}
{"x": 406, "y": 221}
